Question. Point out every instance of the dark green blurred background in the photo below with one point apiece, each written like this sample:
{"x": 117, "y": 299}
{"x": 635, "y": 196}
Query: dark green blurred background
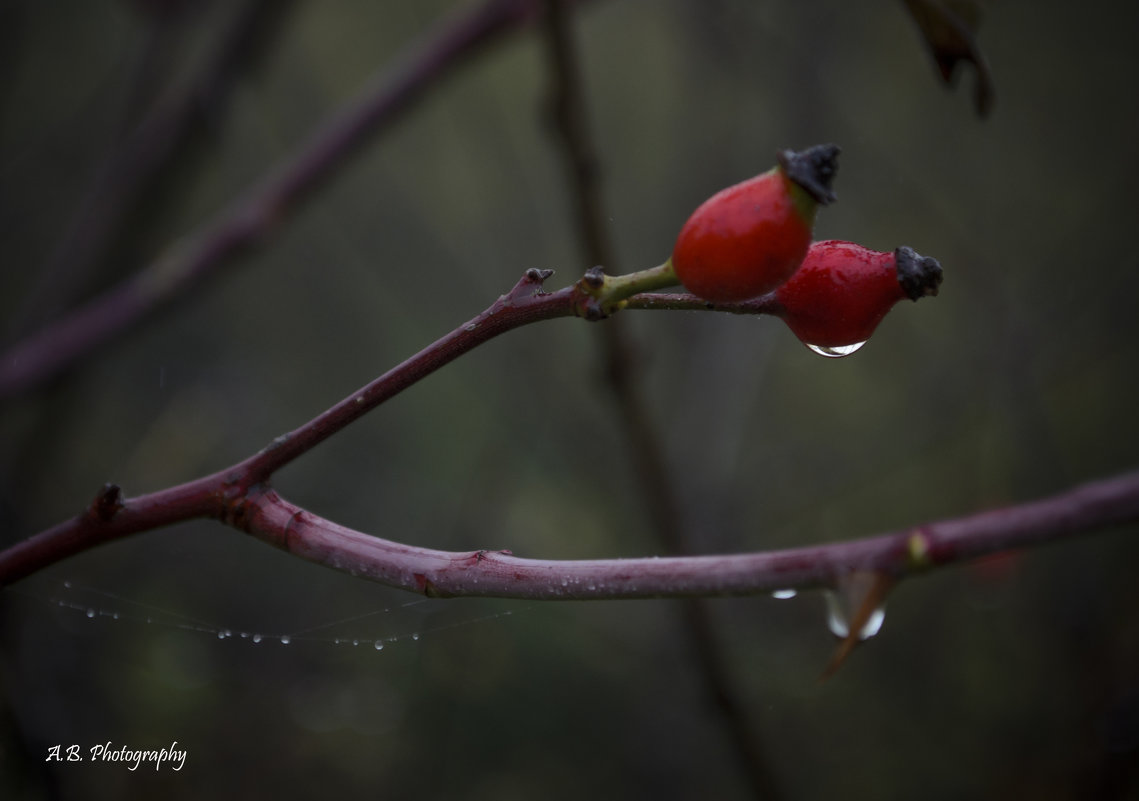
{"x": 1017, "y": 680}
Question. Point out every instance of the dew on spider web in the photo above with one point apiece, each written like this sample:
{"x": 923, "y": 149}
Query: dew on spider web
{"x": 783, "y": 595}
{"x": 127, "y": 611}
{"x": 836, "y": 351}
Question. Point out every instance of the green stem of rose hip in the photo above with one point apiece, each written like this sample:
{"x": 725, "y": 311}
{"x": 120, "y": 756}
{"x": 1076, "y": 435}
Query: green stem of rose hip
{"x": 604, "y": 294}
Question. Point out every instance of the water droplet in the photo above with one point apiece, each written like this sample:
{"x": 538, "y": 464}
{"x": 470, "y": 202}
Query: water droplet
{"x": 221, "y": 635}
{"x": 90, "y": 613}
{"x": 379, "y": 645}
{"x": 67, "y": 585}
{"x": 355, "y": 642}
{"x": 115, "y": 616}
{"x": 256, "y": 638}
{"x": 838, "y": 618}
{"x": 836, "y": 351}
{"x": 470, "y": 326}
{"x": 286, "y": 639}
{"x": 783, "y": 595}
{"x": 415, "y": 636}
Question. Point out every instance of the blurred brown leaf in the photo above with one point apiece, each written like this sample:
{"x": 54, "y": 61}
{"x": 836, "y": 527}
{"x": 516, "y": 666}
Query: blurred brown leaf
{"x": 949, "y": 28}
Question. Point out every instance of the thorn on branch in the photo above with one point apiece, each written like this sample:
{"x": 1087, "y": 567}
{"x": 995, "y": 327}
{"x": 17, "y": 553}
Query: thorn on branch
{"x": 530, "y": 283}
{"x": 868, "y": 591}
{"x": 106, "y": 503}
{"x": 537, "y": 276}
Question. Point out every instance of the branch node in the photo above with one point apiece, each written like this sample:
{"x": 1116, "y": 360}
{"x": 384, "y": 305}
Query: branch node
{"x": 918, "y": 549}
{"x": 106, "y": 504}
{"x": 594, "y": 277}
{"x": 590, "y": 303}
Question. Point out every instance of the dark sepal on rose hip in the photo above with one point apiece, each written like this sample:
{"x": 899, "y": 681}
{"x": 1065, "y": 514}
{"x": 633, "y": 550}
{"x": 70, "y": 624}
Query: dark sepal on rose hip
{"x": 919, "y": 275}
{"x": 813, "y": 169}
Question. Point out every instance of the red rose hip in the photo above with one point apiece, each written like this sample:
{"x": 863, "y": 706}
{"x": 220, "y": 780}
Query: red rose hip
{"x": 842, "y": 291}
{"x": 748, "y": 239}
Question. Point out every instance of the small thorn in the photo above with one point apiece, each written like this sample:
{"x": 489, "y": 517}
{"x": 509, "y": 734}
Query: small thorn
{"x": 538, "y": 276}
{"x": 107, "y": 503}
{"x": 874, "y": 596}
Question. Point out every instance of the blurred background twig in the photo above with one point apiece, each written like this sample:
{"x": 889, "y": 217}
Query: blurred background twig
{"x": 643, "y": 447}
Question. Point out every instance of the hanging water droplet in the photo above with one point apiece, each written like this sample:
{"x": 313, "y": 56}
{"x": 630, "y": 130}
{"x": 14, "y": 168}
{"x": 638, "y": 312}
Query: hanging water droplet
{"x": 286, "y": 639}
{"x": 90, "y": 613}
{"x": 835, "y": 351}
{"x": 415, "y": 636}
{"x": 783, "y": 595}
{"x": 67, "y": 585}
{"x": 256, "y": 638}
{"x": 355, "y": 642}
{"x": 838, "y": 618}
{"x": 379, "y": 645}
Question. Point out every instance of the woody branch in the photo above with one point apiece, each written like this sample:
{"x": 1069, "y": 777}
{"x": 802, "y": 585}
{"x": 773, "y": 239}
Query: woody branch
{"x": 240, "y": 496}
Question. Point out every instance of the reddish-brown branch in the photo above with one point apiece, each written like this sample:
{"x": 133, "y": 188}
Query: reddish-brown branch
{"x": 501, "y": 574}
{"x": 523, "y": 305}
{"x": 222, "y": 494}
{"x": 104, "y": 522}
{"x": 240, "y": 496}
{"x": 263, "y": 513}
